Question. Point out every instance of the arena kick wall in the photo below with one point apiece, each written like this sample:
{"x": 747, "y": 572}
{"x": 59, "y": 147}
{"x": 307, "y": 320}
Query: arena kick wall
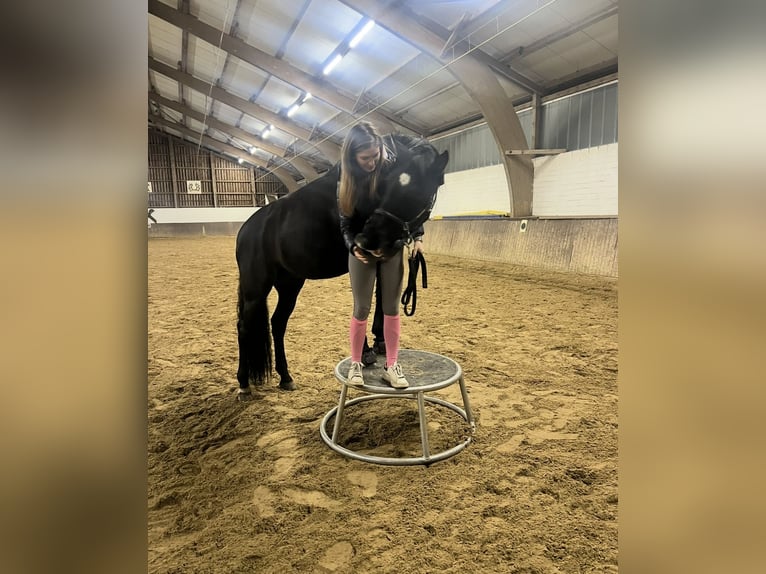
{"x": 573, "y": 227}
{"x": 582, "y": 245}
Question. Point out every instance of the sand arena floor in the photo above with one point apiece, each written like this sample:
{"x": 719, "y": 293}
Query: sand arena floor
{"x": 251, "y": 487}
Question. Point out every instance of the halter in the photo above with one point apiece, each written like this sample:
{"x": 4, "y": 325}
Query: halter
{"x": 406, "y": 225}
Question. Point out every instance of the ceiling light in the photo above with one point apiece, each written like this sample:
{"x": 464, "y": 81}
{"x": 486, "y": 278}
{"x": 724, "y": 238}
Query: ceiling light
{"x": 240, "y": 160}
{"x": 252, "y": 150}
{"x": 334, "y": 62}
{"x": 292, "y": 110}
{"x": 306, "y": 96}
{"x": 359, "y": 35}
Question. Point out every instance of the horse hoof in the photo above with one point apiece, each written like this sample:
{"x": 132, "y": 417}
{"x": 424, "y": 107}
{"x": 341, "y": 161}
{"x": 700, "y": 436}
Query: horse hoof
{"x": 379, "y": 347}
{"x": 244, "y": 395}
{"x": 287, "y": 386}
{"x": 369, "y": 358}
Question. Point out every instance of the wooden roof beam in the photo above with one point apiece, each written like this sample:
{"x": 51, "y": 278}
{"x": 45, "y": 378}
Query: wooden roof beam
{"x": 330, "y": 149}
{"x": 284, "y": 175}
{"x": 320, "y": 89}
{"x": 300, "y": 164}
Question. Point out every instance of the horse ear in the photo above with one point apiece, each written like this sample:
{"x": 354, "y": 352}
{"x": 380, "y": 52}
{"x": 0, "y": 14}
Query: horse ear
{"x": 441, "y": 164}
{"x": 442, "y": 160}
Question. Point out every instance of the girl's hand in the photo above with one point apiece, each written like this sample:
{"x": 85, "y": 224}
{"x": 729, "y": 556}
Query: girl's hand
{"x": 359, "y": 254}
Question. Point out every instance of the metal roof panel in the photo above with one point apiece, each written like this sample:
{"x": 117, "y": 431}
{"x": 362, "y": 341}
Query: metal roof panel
{"x": 164, "y": 41}
{"x": 205, "y": 60}
{"x": 265, "y": 25}
{"x": 384, "y": 72}
{"x": 165, "y": 86}
{"x": 324, "y": 26}
{"x": 216, "y": 13}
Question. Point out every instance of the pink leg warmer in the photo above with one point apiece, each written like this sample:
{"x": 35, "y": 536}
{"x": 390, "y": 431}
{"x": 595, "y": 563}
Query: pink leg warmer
{"x": 391, "y": 336}
{"x": 357, "y": 333}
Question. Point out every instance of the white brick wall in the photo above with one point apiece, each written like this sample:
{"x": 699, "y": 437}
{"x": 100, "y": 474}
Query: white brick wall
{"x": 581, "y": 182}
{"x": 473, "y": 191}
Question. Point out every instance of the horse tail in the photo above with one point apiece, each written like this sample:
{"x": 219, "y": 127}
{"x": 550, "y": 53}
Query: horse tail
{"x": 254, "y": 340}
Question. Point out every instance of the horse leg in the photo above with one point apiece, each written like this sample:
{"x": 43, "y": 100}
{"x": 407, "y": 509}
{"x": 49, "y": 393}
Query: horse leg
{"x": 369, "y": 356}
{"x": 288, "y": 289}
{"x": 379, "y": 343}
{"x": 254, "y": 340}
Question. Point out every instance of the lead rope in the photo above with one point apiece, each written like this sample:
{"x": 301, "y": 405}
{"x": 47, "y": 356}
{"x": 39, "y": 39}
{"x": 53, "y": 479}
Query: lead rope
{"x": 411, "y": 292}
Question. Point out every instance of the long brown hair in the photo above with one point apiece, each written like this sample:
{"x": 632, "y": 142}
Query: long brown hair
{"x": 360, "y": 137}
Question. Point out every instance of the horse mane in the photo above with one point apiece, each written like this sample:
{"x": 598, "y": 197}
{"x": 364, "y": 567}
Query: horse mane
{"x": 410, "y": 142}
{"x": 418, "y": 146}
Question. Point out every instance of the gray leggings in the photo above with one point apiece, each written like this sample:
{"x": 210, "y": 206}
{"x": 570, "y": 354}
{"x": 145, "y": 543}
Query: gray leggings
{"x": 363, "y": 281}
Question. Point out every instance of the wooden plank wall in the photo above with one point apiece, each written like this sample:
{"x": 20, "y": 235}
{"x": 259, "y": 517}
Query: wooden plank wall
{"x": 225, "y": 183}
{"x": 160, "y": 172}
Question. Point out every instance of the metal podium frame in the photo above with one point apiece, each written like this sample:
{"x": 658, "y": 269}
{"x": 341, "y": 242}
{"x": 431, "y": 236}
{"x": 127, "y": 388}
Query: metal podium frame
{"x": 419, "y": 386}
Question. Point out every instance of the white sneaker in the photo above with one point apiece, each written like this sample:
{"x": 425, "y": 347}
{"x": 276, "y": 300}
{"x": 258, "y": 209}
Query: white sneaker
{"x": 394, "y": 376}
{"x": 355, "y": 378}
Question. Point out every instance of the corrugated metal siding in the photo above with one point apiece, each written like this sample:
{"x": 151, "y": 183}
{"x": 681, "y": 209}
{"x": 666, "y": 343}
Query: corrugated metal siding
{"x": 583, "y": 120}
{"x": 469, "y": 149}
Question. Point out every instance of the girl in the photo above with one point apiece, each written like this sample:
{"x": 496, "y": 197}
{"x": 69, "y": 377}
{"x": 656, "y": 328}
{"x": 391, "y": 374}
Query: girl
{"x": 364, "y": 159}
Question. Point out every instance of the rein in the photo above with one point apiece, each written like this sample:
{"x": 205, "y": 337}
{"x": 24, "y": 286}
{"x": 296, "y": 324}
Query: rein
{"x": 411, "y": 292}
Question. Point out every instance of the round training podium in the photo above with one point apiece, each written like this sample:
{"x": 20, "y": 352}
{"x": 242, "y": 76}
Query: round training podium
{"x": 426, "y": 372}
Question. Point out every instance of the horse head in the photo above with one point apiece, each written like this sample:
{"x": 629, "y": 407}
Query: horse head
{"x": 408, "y": 193}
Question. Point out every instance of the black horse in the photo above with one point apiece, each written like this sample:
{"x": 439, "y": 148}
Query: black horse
{"x": 298, "y": 238}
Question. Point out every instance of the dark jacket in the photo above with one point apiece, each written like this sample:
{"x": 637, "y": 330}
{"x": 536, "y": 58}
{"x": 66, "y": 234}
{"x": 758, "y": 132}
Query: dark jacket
{"x": 351, "y": 225}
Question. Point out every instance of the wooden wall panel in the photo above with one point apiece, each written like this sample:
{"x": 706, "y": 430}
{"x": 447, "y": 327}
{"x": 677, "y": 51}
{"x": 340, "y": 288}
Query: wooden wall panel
{"x": 587, "y": 246}
{"x": 225, "y": 183}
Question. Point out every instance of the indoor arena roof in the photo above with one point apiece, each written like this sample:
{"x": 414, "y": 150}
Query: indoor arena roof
{"x": 224, "y": 72}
